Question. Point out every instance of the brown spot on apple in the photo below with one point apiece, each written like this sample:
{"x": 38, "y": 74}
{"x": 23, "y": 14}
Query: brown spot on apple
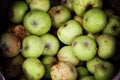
{"x": 74, "y": 43}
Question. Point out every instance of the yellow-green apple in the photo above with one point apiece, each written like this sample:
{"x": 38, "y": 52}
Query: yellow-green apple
{"x": 37, "y": 22}
{"x": 69, "y": 31}
{"x": 84, "y": 47}
{"x": 89, "y": 77}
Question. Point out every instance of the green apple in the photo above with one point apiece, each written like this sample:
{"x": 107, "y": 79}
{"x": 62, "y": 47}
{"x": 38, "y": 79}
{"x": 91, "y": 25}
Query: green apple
{"x": 32, "y": 46}
{"x": 37, "y": 22}
{"x": 51, "y": 43}
{"x": 82, "y": 6}
{"x": 48, "y": 62}
{"x": 88, "y": 78}
{"x": 84, "y": 47}
{"x": 91, "y": 64}
{"x": 82, "y": 71}
{"x": 10, "y": 45}
{"x": 113, "y": 26}
{"x": 33, "y": 69}
{"x": 104, "y": 71}
{"x": 66, "y": 54}
{"x": 67, "y": 33}
{"x": 59, "y": 15}
{"x": 63, "y": 71}
{"x": 43, "y": 5}
{"x": 94, "y": 20}
{"x": 17, "y": 11}
{"x": 107, "y": 46}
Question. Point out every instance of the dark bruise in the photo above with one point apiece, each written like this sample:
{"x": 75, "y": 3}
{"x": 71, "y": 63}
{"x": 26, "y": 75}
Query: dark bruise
{"x": 26, "y": 47}
{"x": 34, "y": 23}
{"x": 86, "y": 44}
{"x": 72, "y": 69}
{"x": 86, "y": 19}
{"x": 74, "y": 43}
{"x": 65, "y": 25}
{"x": 47, "y": 46}
{"x": 58, "y": 11}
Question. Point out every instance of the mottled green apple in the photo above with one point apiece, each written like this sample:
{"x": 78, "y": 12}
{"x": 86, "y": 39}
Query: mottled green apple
{"x": 84, "y": 47}
{"x": 94, "y": 20}
{"x": 32, "y": 46}
{"x": 37, "y": 22}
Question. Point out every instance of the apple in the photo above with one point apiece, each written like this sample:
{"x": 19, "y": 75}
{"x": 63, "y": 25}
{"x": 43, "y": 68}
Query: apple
{"x": 43, "y": 5}
{"x": 17, "y": 11}
{"x": 84, "y": 47}
{"x": 32, "y": 46}
{"x": 82, "y": 6}
{"x": 51, "y": 43}
{"x": 94, "y": 20}
{"x": 92, "y": 64}
{"x": 10, "y": 45}
{"x": 113, "y": 26}
{"x": 59, "y": 15}
{"x": 48, "y": 62}
{"x": 104, "y": 71}
{"x": 33, "y": 69}
{"x": 107, "y": 46}
{"x": 67, "y": 33}
{"x": 63, "y": 71}
{"x": 37, "y": 22}
{"x": 89, "y": 77}
{"x": 66, "y": 54}
{"x": 82, "y": 71}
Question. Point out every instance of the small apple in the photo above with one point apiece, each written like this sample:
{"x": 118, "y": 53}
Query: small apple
{"x": 59, "y": 15}
{"x": 91, "y": 64}
{"x": 37, "y": 22}
{"x": 68, "y": 31}
{"x": 66, "y": 54}
{"x": 17, "y": 11}
{"x": 33, "y": 69}
{"x": 63, "y": 71}
{"x": 48, "y": 62}
{"x": 82, "y": 6}
{"x": 94, "y": 20}
{"x": 107, "y": 46}
{"x": 84, "y": 47}
{"x": 32, "y": 46}
{"x": 51, "y": 43}
{"x": 104, "y": 71}
{"x": 43, "y": 5}
{"x": 89, "y": 77}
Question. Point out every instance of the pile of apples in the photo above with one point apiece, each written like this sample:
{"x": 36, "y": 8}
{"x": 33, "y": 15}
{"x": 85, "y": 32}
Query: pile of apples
{"x": 64, "y": 40}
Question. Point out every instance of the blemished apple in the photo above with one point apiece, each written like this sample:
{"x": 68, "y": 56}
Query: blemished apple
{"x": 43, "y": 5}
{"x": 94, "y": 20}
{"x": 82, "y": 6}
{"x": 63, "y": 71}
{"x": 32, "y": 46}
{"x": 51, "y": 44}
{"x": 33, "y": 69}
{"x": 82, "y": 71}
{"x": 59, "y": 15}
{"x": 113, "y": 26}
{"x": 66, "y": 54}
{"x": 48, "y": 62}
{"x": 89, "y": 77}
{"x": 17, "y": 11}
{"x": 107, "y": 46}
{"x": 84, "y": 47}
{"x": 37, "y": 22}
{"x": 91, "y": 64}
{"x": 69, "y": 31}
{"x": 104, "y": 71}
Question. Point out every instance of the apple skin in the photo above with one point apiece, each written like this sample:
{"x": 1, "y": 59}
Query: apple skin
{"x": 104, "y": 71}
{"x": 63, "y": 71}
{"x": 37, "y": 22}
{"x": 107, "y": 46}
{"x": 43, "y": 5}
{"x": 84, "y": 47}
{"x": 88, "y": 78}
{"x": 33, "y": 69}
{"x": 66, "y": 54}
{"x": 59, "y": 15}
{"x": 94, "y": 20}
{"x": 32, "y": 46}
{"x": 51, "y": 43}
{"x": 91, "y": 64}
{"x": 18, "y": 11}
{"x": 82, "y": 6}
{"x": 67, "y": 33}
